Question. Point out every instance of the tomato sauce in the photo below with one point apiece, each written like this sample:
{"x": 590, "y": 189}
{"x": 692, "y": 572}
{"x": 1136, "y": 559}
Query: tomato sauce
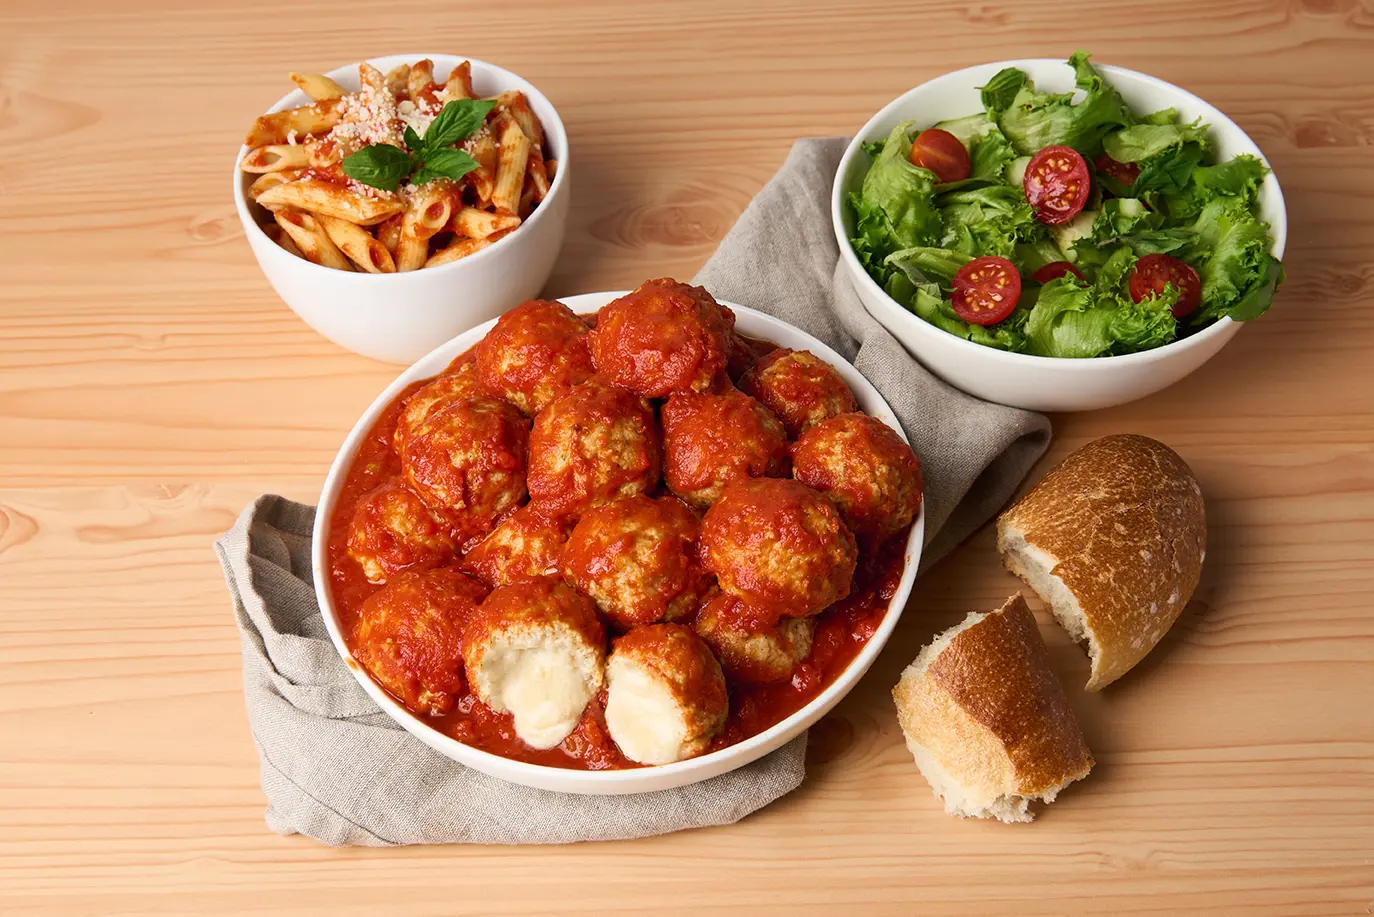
{"x": 841, "y": 632}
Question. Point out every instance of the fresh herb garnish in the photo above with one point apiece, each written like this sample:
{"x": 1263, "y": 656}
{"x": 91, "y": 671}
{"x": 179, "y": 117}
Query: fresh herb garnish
{"x": 384, "y": 166}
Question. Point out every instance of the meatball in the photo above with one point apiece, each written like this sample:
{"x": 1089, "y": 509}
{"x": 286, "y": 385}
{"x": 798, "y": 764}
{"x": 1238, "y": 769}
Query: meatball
{"x": 535, "y": 353}
{"x": 392, "y": 530}
{"x": 710, "y": 440}
{"x": 409, "y": 636}
{"x": 536, "y": 650}
{"x": 594, "y": 445}
{"x": 866, "y": 468}
{"x": 524, "y": 547}
{"x": 467, "y": 461}
{"x": 456, "y": 385}
{"x": 664, "y": 337}
{"x": 749, "y": 651}
{"x": 740, "y": 355}
{"x": 665, "y": 699}
{"x": 637, "y": 559}
{"x": 800, "y": 387}
{"x": 778, "y": 543}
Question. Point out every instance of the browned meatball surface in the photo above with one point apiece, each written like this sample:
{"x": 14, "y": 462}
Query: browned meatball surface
{"x": 456, "y": 385}
{"x": 535, "y": 353}
{"x": 393, "y": 530}
{"x": 594, "y": 445}
{"x": 750, "y": 651}
{"x": 779, "y": 543}
{"x": 409, "y": 636}
{"x": 710, "y": 440}
{"x": 662, "y": 338}
{"x": 525, "y": 546}
{"x": 467, "y": 460}
{"x": 866, "y": 468}
{"x": 799, "y": 387}
{"x": 637, "y": 558}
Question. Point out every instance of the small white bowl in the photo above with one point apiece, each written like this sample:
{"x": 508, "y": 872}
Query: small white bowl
{"x": 1023, "y": 380}
{"x": 635, "y": 780}
{"x": 401, "y": 317}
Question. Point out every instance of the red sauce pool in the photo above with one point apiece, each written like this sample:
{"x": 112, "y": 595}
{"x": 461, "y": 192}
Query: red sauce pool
{"x": 841, "y": 632}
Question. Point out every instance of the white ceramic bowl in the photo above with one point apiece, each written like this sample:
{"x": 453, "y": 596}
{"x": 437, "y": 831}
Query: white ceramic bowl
{"x": 1022, "y": 380}
{"x": 638, "y": 780}
{"x": 401, "y": 317}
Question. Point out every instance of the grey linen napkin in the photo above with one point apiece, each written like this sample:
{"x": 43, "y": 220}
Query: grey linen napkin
{"x": 335, "y": 768}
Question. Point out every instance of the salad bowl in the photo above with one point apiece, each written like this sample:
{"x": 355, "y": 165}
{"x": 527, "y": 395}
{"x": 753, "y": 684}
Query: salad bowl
{"x": 1034, "y": 382}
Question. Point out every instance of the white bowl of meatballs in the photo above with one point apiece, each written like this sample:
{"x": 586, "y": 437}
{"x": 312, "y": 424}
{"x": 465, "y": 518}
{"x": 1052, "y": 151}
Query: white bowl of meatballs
{"x": 619, "y": 543}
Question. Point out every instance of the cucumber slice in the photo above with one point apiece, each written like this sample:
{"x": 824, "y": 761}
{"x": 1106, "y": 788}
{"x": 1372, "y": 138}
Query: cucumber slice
{"x": 1016, "y": 170}
{"x": 1067, "y": 234}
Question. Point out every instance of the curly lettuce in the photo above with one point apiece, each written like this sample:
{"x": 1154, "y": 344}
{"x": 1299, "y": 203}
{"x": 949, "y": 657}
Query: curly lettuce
{"x": 1033, "y": 120}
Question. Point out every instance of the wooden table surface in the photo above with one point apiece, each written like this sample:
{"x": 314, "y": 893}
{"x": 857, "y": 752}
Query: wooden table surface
{"x": 151, "y": 384}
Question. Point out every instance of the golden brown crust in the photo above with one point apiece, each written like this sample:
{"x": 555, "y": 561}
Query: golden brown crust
{"x": 1125, "y": 520}
{"x": 535, "y": 353}
{"x": 998, "y": 672}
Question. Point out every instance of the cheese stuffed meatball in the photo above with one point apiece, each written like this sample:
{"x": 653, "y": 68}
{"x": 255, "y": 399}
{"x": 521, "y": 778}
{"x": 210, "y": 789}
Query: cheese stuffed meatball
{"x": 525, "y": 546}
{"x": 754, "y": 649}
{"x": 536, "y": 650}
{"x": 665, "y": 696}
{"x": 594, "y": 445}
{"x": 866, "y": 468}
{"x": 662, "y": 338}
{"x": 467, "y": 461}
{"x": 535, "y": 353}
{"x": 393, "y": 530}
{"x": 637, "y": 559}
{"x": 456, "y": 385}
{"x": 409, "y": 636}
{"x": 710, "y": 440}
{"x": 778, "y": 543}
{"x": 799, "y": 387}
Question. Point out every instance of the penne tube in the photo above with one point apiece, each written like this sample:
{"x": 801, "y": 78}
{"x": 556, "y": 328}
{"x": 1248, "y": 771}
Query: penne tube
{"x": 271, "y": 180}
{"x": 411, "y": 251}
{"x": 514, "y": 101}
{"x": 473, "y": 223}
{"x": 275, "y": 157}
{"x": 323, "y": 153}
{"x": 458, "y": 250}
{"x": 526, "y": 199}
{"x": 285, "y": 242}
{"x": 311, "y": 239}
{"x": 331, "y": 200}
{"x": 359, "y": 245}
{"x": 371, "y": 79}
{"x": 420, "y": 76}
{"x": 459, "y": 82}
{"x": 308, "y": 119}
{"x": 551, "y": 169}
{"x": 317, "y": 86}
{"x": 397, "y": 79}
{"x": 510, "y": 167}
{"x": 538, "y": 177}
{"x": 389, "y": 232}
{"x": 431, "y": 207}
{"x": 483, "y": 178}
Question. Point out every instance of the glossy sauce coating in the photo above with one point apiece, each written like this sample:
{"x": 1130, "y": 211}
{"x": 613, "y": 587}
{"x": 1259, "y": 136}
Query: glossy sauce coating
{"x": 535, "y": 353}
{"x": 711, "y": 439}
{"x": 799, "y": 387}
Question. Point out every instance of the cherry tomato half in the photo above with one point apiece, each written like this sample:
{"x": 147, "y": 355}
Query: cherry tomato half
{"x": 1153, "y": 272}
{"x": 1057, "y": 184}
{"x": 986, "y": 290}
{"x": 1124, "y": 172}
{"x": 942, "y": 153}
{"x": 1054, "y": 270}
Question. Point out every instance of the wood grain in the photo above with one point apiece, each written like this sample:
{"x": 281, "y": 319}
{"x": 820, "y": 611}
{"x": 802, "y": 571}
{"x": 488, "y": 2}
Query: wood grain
{"x": 151, "y": 384}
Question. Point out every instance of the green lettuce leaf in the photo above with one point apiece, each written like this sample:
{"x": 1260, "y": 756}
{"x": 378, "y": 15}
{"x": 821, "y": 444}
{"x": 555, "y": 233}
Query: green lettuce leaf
{"x": 990, "y": 220}
{"x": 1034, "y": 120}
{"x": 1128, "y": 221}
{"x": 1073, "y": 319}
{"x": 928, "y": 265}
{"x": 1239, "y": 177}
{"x": 933, "y": 306}
{"x": 1231, "y": 255}
{"x": 904, "y": 193}
{"x": 1141, "y": 141}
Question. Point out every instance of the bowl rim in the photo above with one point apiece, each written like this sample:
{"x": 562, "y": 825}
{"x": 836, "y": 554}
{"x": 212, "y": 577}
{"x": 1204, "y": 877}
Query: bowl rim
{"x": 573, "y": 780}
{"x": 553, "y": 125}
{"x": 1216, "y": 120}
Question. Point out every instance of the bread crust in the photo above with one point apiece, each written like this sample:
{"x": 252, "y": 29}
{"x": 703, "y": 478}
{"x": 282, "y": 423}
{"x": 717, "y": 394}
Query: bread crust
{"x": 1124, "y": 523}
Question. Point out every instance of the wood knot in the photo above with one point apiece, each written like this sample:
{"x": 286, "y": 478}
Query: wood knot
{"x": 210, "y": 228}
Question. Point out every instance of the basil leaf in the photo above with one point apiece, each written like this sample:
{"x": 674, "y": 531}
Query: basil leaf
{"x": 452, "y": 164}
{"x": 413, "y": 141}
{"x": 456, "y": 121}
{"x": 380, "y": 166}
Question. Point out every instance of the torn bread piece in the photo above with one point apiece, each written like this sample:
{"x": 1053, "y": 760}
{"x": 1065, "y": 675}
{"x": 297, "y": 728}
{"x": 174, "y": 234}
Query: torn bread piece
{"x": 986, "y": 719}
{"x": 1112, "y": 540}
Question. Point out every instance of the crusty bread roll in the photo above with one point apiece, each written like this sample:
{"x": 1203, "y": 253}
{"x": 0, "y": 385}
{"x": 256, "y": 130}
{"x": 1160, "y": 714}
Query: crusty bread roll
{"x": 987, "y": 720}
{"x": 1112, "y": 539}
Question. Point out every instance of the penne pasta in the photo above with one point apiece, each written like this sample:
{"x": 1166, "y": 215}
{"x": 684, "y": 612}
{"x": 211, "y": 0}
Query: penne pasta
{"x": 483, "y": 178}
{"x": 323, "y": 154}
{"x": 371, "y": 79}
{"x": 518, "y": 106}
{"x": 317, "y": 86}
{"x": 459, "y": 83}
{"x": 472, "y": 223}
{"x": 311, "y": 239}
{"x": 389, "y": 232}
{"x": 411, "y": 251}
{"x": 270, "y": 180}
{"x": 274, "y": 232}
{"x": 510, "y": 167}
{"x": 538, "y": 177}
{"x": 331, "y": 200}
{"x": 359, "y": 245}
{"x": 397, "y": 79}
{"x": 551, "y": 169}
{"x": 421, "y": 75}
{"x": 431, "y": 208}
{"x": 276, "y": 157}
{"x": 456, "y": 251}
{"x": 279, "y": 126}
